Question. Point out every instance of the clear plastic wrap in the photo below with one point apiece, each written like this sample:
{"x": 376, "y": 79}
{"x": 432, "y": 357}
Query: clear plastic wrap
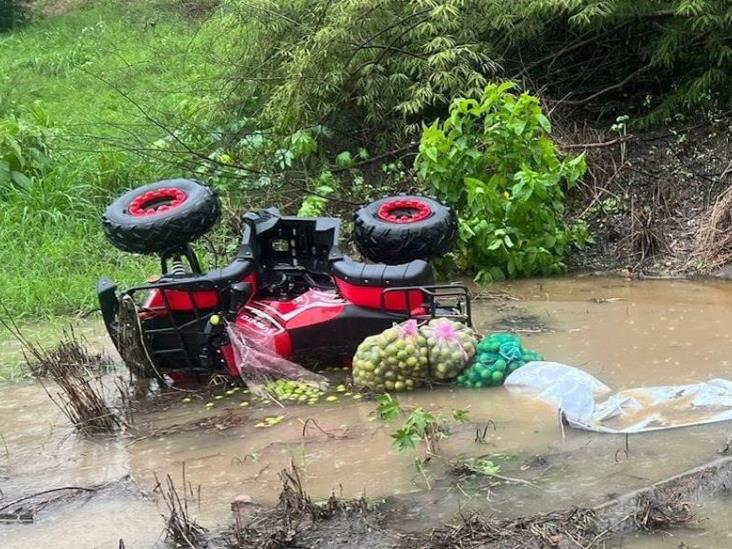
{"x": 259, "y": 364}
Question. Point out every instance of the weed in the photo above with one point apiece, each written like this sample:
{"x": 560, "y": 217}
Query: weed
{"x": 419, "y": 427}
{"x": 180, "y": 527}
{"x": 80, "y": 393}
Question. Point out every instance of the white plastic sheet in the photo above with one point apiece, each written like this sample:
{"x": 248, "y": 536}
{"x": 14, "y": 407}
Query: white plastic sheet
{"x": 586, "y": 402}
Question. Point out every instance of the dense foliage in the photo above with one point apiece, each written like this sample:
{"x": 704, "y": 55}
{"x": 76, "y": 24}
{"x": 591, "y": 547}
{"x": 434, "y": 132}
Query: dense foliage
{"x": 494, "y": 161}
{"x": 24, "y": 151}
{"x": 13, "y": 13}
{"x": 385, "y": 64}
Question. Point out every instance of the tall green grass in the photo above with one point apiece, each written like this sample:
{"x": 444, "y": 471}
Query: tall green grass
{"x": 89, "y": 70}
{"x": 53, "y": 250}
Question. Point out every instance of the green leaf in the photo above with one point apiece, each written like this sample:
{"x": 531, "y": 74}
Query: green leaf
{"x": 461, "y": 415}
{"x": 497, "y": 274}
{"x": 405, "y": 439}
{"x": 387, "y": 407}
{"x": 344, "y": 159}
{"x": 21, "y": 180}
{"x": 544, "y": 123}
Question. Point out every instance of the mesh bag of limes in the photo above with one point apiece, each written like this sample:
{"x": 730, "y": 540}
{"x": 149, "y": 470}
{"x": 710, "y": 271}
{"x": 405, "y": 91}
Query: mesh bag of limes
{"x": 497, "y": 356}
{"x": 407, "y": 356}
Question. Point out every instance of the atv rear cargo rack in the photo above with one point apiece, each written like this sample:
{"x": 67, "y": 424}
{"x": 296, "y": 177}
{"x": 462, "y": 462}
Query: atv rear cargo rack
{"x": 451, "y": 301}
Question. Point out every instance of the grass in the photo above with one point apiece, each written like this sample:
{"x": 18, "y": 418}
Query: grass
{"x": 144, "y": 48}
{"x": 86, "y": 68}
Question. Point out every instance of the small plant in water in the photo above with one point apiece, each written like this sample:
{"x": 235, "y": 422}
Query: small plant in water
{"x": 419, "y": 427}
{"x": 387, "y": 408}
{"x": 483, "y": 466}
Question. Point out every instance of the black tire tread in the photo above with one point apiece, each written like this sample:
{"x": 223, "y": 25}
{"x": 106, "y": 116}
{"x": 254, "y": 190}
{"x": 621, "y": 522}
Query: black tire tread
{"x": 159, "y": 235}
{"x": 394, "y": 244}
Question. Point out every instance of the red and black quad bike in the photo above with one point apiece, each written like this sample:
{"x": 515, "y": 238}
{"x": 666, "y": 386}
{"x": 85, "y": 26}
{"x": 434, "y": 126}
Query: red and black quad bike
{"x": 289, "y": 282}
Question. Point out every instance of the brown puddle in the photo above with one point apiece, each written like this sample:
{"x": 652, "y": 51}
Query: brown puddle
{"x": 628, "y": 334}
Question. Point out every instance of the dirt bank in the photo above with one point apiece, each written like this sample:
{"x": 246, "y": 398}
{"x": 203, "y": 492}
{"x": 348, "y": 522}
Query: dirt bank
{"x": 647, "y": 198}
{"x": 297, "y": 522}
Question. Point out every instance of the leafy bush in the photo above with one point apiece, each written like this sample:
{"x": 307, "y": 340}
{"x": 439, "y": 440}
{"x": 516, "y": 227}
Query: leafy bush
{"x": 24, "y": 152}
{"x": 495, "y": 162}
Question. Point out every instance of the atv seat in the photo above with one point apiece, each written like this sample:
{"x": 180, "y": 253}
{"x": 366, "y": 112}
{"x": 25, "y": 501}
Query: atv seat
{"x": 365, "y": 285}
{"x": 414, "y": 273}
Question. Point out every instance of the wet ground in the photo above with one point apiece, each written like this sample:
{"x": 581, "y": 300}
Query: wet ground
{"x": 628, "y": 334}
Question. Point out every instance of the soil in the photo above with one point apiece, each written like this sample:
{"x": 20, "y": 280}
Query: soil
{"x": 664, "y": 505}
{"x": 646, "y": 198}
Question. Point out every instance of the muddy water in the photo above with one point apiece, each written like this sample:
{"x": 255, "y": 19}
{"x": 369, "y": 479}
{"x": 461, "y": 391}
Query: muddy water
{"x": 628, "y": 334}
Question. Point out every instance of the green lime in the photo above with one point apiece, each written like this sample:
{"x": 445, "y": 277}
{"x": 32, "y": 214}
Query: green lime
{"x": 500, "y": 365}
{"x": 486, "y": 374}
{"x": 479, "y": 385}
{"x": 497, "y": 377}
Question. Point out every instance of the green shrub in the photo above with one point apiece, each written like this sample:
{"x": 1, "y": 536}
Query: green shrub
{"x": 495, "y": 162}
{"x": 24, "y": 152}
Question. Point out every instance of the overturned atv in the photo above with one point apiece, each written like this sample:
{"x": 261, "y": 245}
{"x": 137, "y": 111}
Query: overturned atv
{"x": 289, "y": 285}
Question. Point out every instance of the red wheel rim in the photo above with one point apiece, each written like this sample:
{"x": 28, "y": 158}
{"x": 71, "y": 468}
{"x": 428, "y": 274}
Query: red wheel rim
{"x": 404, "y": 211}
{"x": 157, "y": 201}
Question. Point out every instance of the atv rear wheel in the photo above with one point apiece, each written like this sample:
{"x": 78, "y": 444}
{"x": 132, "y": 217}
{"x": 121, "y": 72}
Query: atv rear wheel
{"x": 400, "y": 229}
{"x": 162, "y": 216}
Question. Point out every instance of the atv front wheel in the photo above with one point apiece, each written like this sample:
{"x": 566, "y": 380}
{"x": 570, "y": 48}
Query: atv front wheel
{"x": 162, "y": 216}
{"x": 400, "y": 229}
